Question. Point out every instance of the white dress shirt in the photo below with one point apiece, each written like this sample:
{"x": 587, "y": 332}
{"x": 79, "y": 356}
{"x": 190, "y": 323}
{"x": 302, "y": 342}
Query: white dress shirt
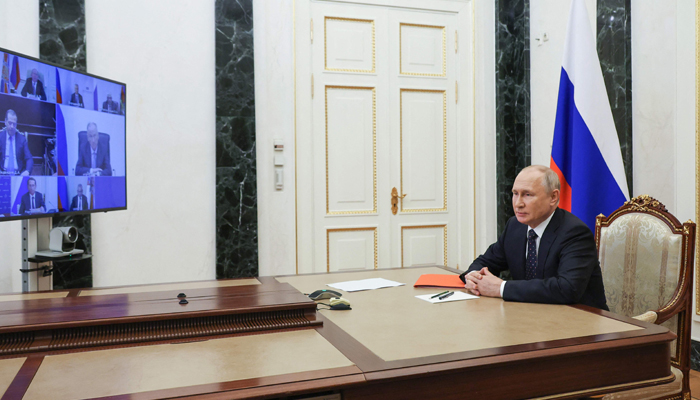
{"x": 539, "y": 230}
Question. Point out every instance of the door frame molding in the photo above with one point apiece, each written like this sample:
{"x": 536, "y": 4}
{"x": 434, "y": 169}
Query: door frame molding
{"x": 303, "y": 147}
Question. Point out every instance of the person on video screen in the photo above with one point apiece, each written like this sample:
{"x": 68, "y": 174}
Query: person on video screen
{"x": 32, "y": 201}
{"x": 110, "y": 105}
{"x": 93, "y": 156}
{"x": 80, "y": 201}
{"x": 76, "y": 99}
{"x": 14, "y": 150}
{"x": 34, "y": 87}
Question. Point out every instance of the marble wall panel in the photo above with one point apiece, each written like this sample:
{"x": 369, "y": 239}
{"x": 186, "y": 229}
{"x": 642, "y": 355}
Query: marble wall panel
{"x": 62, "y": 41}
{"x": 695, "y": 355}
{"x": 512, "y": 99}
{"x": 614, "y": 31}
{"x": 236, "y": 197}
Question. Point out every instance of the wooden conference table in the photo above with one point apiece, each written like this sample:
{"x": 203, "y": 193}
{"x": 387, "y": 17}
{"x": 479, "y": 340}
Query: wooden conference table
{"x": 262, "y": 338}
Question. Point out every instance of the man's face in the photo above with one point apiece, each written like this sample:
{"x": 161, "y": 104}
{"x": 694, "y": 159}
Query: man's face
{"x": 531, "y": 202}
{"x": 80, "y": 190}
{"x": 92, "y": 136}
{"x": 31, "y": 186}
{"x": 76, "y": 89}
{"x": 35, "y": 75}
{"x": 109, "y": 99}
{"x": 11, "y": 124}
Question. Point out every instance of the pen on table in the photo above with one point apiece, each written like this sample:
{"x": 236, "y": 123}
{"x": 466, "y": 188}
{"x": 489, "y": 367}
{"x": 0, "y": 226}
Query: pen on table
{"x": 443, "y": 297}
{"x": 439, "y": 294}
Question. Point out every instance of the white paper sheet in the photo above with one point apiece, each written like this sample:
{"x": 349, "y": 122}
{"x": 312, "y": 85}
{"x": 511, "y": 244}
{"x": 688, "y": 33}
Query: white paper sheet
{"x": 364, "y": 284}
{"x": 455, "y": 297}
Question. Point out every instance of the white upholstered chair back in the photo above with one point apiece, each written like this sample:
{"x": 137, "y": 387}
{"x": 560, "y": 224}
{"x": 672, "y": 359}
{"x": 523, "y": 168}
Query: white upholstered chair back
{"x": 646, "y": 257}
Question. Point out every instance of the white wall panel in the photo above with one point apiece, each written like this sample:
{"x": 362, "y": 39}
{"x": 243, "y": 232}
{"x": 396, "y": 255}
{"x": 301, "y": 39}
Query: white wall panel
{"x": 19, "y": 31}
{"x": 167, "y": 61}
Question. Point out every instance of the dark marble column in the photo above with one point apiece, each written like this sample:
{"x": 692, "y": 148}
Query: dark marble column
{"x": 615, "y": 53}
{"x": 512, "y": 99}
{"x": 695, "y": 355}
{"x": 236, "y": 197}
{"x": 62, "y": 41}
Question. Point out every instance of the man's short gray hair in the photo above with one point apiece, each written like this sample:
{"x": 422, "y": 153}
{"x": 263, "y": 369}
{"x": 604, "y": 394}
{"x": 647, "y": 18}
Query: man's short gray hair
{"x": 550, "y": 179}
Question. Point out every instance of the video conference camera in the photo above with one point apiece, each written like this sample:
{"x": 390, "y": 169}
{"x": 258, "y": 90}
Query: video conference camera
{"x": 62, "y": 242}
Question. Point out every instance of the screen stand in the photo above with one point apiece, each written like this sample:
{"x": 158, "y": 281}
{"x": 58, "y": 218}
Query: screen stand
{"x": 35, "y": 235}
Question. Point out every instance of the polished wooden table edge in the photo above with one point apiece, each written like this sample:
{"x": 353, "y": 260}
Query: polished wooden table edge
{"x": 78, "y": 290}
{"x": 119, "y": 298}
{"x": 69, "y": 312}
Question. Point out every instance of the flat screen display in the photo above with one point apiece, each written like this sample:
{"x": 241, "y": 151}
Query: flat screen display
{"x": 62, "y": 140}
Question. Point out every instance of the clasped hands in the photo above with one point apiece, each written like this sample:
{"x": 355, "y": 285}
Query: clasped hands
{"x": 483, "y": 283}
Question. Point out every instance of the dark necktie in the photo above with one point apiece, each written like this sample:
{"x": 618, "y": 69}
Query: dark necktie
{"x": 32, "y": 206}
{"x": 11, "y": 151}
{"x": 531, "y": 262}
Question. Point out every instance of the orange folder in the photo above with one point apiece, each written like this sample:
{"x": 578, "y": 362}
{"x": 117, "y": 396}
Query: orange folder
{"x": 438, "y": 280}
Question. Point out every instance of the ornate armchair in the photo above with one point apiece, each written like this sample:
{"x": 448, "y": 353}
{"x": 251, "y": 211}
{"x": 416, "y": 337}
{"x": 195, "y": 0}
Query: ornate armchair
{"x": 646, "y": 256}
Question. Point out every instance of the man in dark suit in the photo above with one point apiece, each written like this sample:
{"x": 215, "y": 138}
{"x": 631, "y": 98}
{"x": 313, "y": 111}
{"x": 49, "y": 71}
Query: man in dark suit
{"x": 76, "y": 98}
{"x": 34, "y": 86}
{"x": 550, "y": 253}
{"x": 79, "y": 202}
{"x": 110, "y": 105}
{"x": 32, "y": 201}
{"x": 14, "y": 150}
{"x": 93, "y": 156}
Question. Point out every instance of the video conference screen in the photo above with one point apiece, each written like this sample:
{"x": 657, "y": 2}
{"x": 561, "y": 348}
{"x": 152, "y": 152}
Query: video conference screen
{"x": 62, "y": 140}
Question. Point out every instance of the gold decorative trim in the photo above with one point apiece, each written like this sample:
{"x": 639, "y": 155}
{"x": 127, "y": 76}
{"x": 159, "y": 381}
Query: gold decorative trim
{"x": 328, "y": 243}
{"x": 644, "y": 203}
{"x": 444, "y": 150}
{"x": 374, "y": 151}
{"x": 444, "y": 229}
{"x": 444, "y": 50}
{"x": 325, "y": 46}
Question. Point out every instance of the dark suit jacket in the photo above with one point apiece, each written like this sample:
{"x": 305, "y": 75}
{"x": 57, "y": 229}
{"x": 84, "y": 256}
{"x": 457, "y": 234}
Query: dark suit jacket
{"x": 568, "y": 270}
{"x": 77, "y": 98}
{"x": 113, "y": 106}
{"x": 23, "y": 156}
{"x": 85, "y": 159}
{"x": 29, "y": 88}
{"x": 25, "y": 204}
{"x": 74, "y": 203}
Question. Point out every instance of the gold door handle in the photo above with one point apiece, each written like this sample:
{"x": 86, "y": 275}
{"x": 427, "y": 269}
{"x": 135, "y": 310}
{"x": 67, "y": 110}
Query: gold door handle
{"x": 395, "y": 200}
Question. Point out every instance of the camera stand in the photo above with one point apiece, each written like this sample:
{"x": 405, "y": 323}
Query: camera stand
{"x": 36, "y": 275}
{"x": 37, "y": 269}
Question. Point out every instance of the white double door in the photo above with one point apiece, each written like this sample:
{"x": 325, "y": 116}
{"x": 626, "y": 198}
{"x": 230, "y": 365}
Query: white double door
{"x": 384, "y": 117}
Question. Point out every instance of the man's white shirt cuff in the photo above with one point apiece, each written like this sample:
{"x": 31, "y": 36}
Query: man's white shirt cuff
{"x": 503, "y": 285}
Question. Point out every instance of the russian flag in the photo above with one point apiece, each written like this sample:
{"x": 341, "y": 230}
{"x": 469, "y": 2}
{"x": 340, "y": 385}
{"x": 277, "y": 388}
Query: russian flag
{"x": 586, "y": 150}
{"x": 5, "y": 83}
{"x": 94, "y": 97}
{"x": 61, "y": 160}
{"x": 14, "y": 75}
{"x": 59, "y": 98}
